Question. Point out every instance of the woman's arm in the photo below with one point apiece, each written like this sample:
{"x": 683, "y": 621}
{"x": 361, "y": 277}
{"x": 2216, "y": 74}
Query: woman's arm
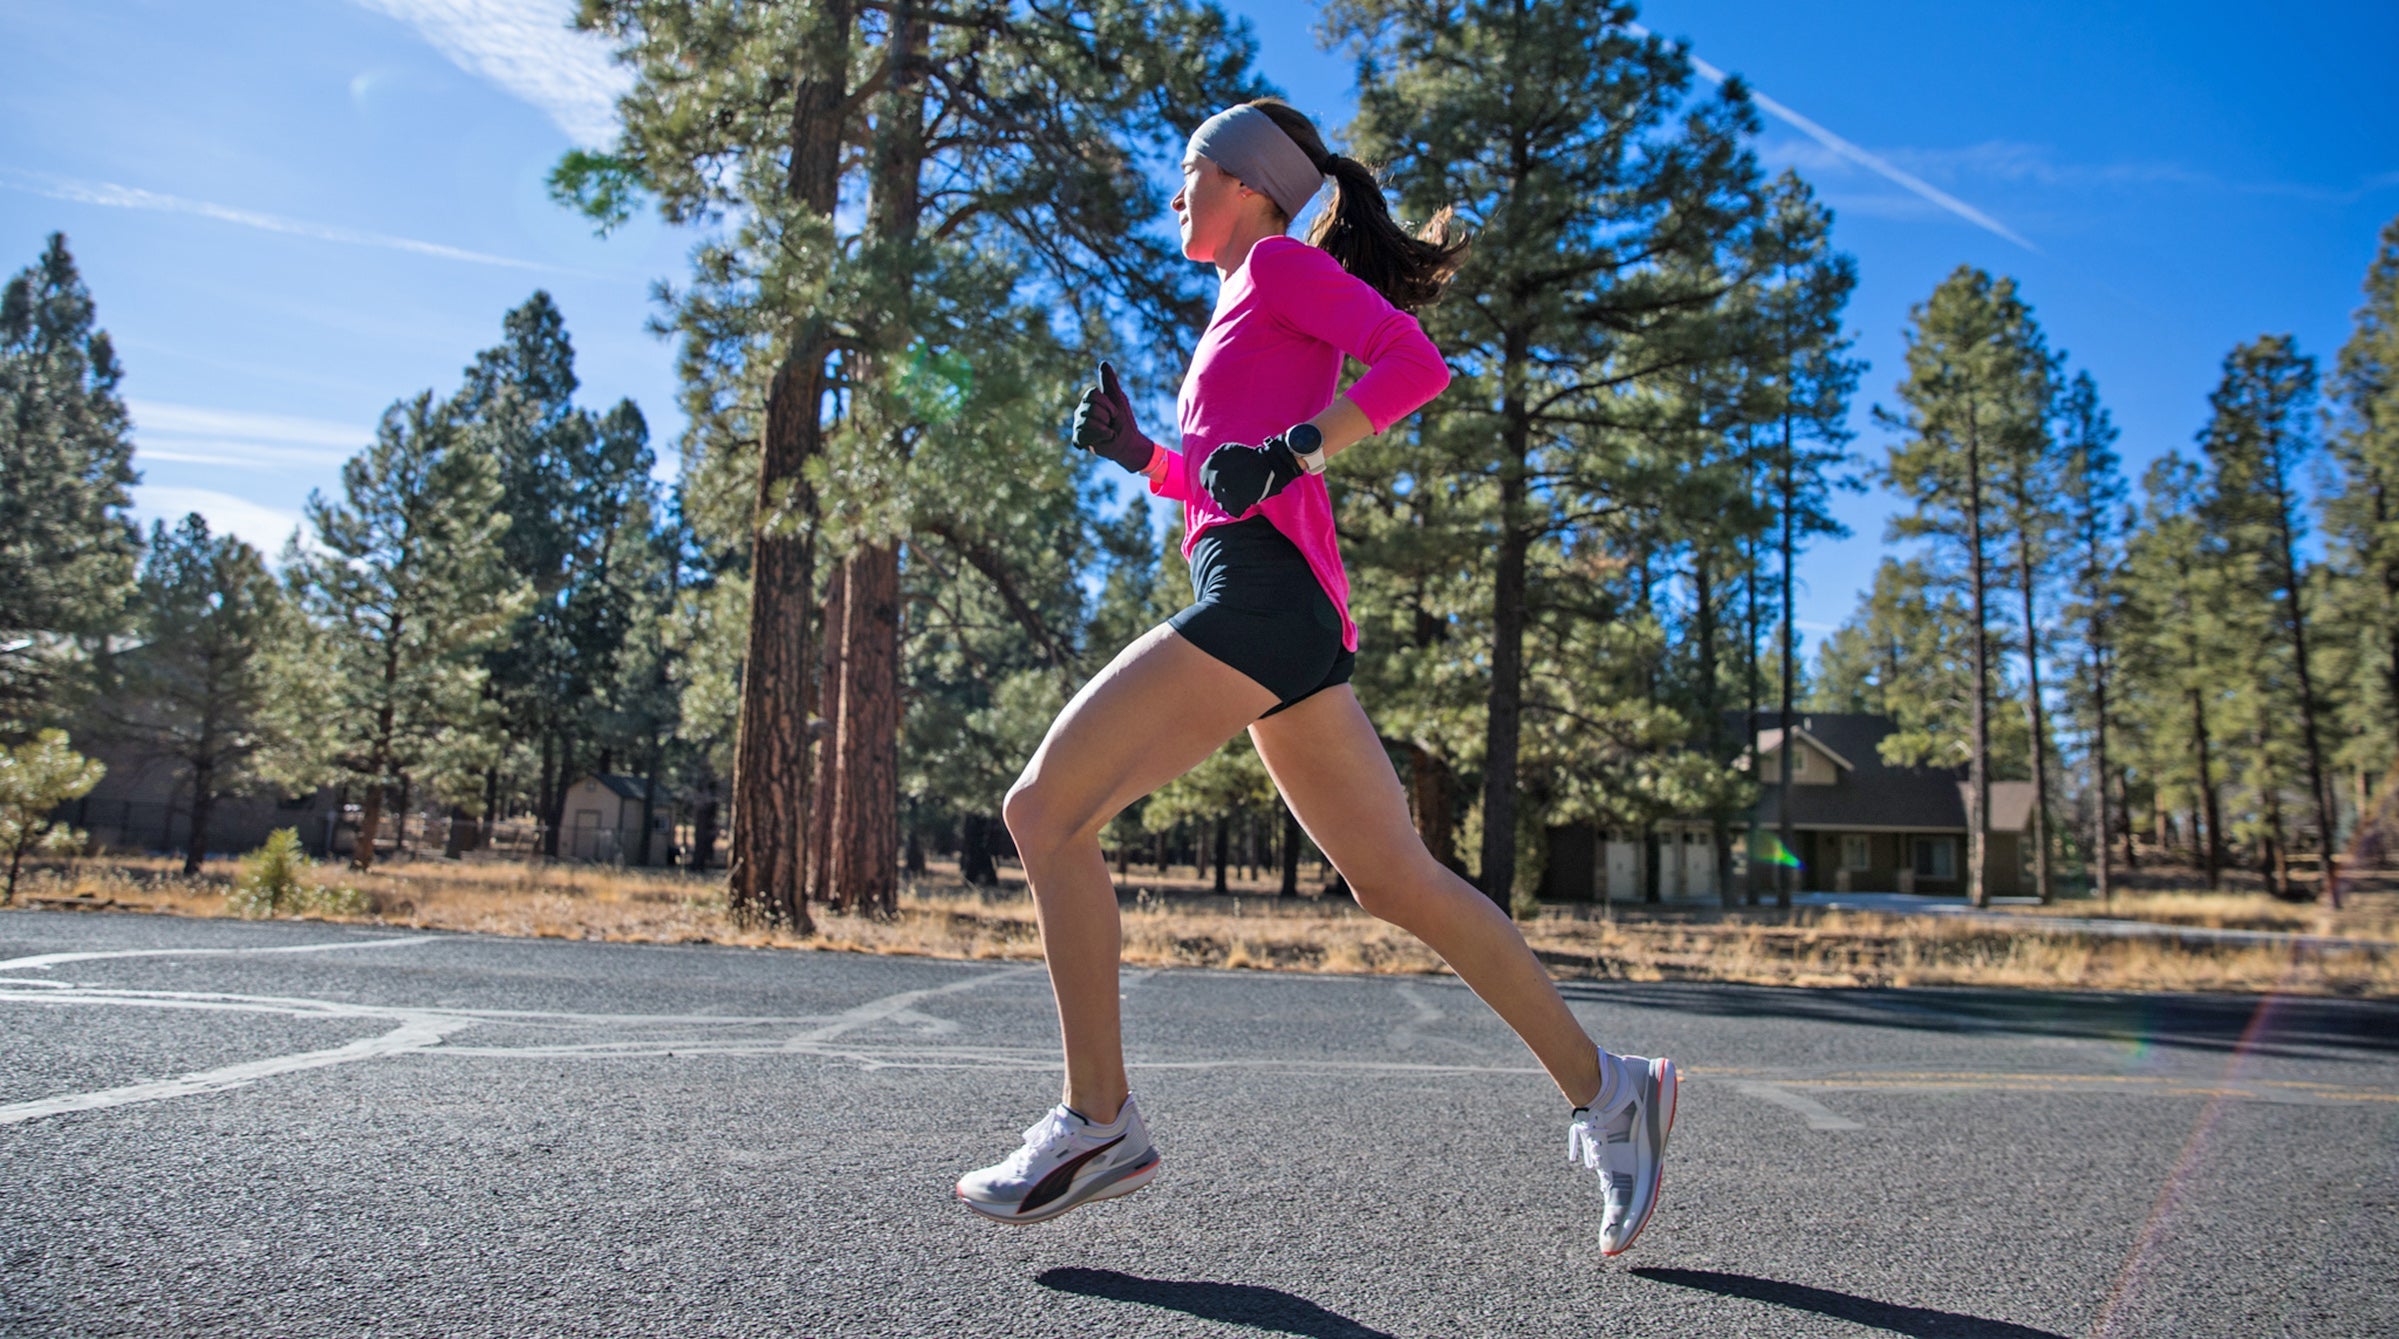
{"x": 1309, "y": 291}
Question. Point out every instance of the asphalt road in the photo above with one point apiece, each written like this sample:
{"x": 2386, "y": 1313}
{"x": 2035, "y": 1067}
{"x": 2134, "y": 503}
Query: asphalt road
{"x": 212, "y": 1127}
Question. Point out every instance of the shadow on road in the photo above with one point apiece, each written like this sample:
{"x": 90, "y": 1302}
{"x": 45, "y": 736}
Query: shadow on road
{"x": 1269, "y": 1309}
{"x": 1921, "y": 1322}
{"x": 2275, "y": 1025}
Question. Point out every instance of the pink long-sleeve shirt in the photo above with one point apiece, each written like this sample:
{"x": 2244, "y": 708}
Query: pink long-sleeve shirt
{"x": 1271, "y": 358}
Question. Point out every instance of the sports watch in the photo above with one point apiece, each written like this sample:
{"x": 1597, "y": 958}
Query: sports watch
{"x": 1307, "y": 444}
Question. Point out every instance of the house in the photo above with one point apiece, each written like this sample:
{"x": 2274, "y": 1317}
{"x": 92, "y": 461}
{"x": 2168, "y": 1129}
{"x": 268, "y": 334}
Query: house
{"x": 1858, "y": 825}
{"x": 602, "y": 821}
{"x": 144, "y": 803}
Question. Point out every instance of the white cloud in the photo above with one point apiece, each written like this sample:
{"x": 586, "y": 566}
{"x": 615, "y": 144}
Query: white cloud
{"x": 529, "y": 48}
{"x": 1872, "y": 162}
{"x": 189, "y": 434}
{"x": 264, "y": 527}
{"x": 130, "y": 197}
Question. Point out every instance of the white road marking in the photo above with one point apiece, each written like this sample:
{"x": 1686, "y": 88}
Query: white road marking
{"x": 1820, "y": 1116}
{"x": 1404, "y": 1037}
{"x": 45, "y": 961}
{"x": 901, "y": 1008}
{"x": 423, "y": 1029}
{"x": 414, "y": 1035}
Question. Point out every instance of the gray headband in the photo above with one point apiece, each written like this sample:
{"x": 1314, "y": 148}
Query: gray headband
{"x": 1247, "y": 143}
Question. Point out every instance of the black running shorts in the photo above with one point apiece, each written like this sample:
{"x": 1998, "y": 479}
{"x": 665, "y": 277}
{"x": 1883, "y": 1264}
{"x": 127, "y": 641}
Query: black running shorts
{"x": 1258, "y": 608}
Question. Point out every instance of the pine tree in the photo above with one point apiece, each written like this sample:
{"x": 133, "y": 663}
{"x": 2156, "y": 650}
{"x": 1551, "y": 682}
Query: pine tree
{"x": 409, "y": 589}
{"x": 67, "y": 546}
{"x": 209, "y": 682}
{"x": 1014, "y": 134}
{"x": 1801, "y": 406}
{"x": 2259, "y": 440}
{"x": 1977, "y": 397}
{"x": 2180, "y": 653}
{"x": 1604, "y": 199}
{"x": 2093, "y": 498}
{"x": 2361, "y": 522}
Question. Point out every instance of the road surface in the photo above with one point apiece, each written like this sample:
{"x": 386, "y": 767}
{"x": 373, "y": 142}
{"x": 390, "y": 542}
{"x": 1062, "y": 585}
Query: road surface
{"x": 216, "y": 1127}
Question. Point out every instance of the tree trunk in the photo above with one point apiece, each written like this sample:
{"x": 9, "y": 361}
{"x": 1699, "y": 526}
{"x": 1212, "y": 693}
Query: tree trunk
{"x": 703, "y": 836}
{"x": 649, "y": 804}
{"x": 1786, "y": 862}
{"x": 1649, "y": 863}
{"x": 2102, "y": 831}
{"x": 767, "y": 878}
{"x": 866, "y": 804}
{"x": 1223, "y": 850}
{"x": 2295, "y": 619}
{"x": 1504, "y": 726}
{"x": 1978, "y": 767}
{"x": 1291, "y": 837}
{"x": 1432, "y": 795}
{"x": 974, "y": 852}
{"x": 2032, "y": 706}
{"x": 370, "y": 820}
{"x": 204, "y": 800}
{"x": 2211, "y": 852}
{"x": 765, "y": 882}
{"x": 832, "y": 631}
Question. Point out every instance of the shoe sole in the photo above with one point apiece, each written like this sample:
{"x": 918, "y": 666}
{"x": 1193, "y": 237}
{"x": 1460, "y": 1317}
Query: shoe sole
{"x": 1122, "y": 1185}
{"x": 1670, "y": 1083}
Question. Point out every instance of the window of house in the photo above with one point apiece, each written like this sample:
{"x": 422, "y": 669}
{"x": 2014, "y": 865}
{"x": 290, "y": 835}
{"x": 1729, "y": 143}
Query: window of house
{"x": 1936, "y": 857}
{"x": 1855, "y": 852}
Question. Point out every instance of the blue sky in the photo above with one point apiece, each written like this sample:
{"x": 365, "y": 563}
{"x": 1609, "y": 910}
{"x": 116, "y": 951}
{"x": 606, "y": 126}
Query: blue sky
{"x": 293, "y": 212}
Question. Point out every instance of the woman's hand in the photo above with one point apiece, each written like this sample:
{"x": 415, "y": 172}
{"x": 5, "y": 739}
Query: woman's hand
{"x": 1104, "y": 424}
{"x": 1240, "y": 477}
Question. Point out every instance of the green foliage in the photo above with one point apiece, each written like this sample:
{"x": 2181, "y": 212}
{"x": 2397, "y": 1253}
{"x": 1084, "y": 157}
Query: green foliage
{"x": 212, "y": 681}
{"x": 2360, "y": 601}
{"x": 1589, "y": 336}
{"x": 67, "y": 545}
{"x": 1906, "y": 654}
{"x": 36, "y": 777}
{"x": 408, "y": 588}
{"x": 279, "y": 878}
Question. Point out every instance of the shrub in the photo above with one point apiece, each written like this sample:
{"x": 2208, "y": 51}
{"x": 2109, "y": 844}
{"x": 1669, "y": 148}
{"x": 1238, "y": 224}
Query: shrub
{"x": 279, "y": 878}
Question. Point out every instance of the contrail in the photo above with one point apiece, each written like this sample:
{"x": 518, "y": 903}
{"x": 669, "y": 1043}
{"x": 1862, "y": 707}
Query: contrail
{"x": 131, "y": 197}
{"x": 1872, "y": 162}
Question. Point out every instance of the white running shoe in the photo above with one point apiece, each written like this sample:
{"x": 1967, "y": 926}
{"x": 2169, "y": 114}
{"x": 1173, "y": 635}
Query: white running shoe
{"x": 1627, "y": 1147}
{"x": 1066, "y": 1160}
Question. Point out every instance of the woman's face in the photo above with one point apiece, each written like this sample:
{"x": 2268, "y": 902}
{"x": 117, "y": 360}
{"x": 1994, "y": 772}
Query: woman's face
{"x": 1211, "y": 202}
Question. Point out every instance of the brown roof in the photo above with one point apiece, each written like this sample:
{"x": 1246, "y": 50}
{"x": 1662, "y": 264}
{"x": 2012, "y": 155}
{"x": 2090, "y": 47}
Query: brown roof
{"x": 1873, "y": 794}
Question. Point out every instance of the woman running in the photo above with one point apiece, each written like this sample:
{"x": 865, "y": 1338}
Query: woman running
{"x": 1268, "y": 645}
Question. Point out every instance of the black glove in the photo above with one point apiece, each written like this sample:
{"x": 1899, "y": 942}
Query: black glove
{"x": 1240, "y": 477}
{"x": 1104, "y": 424}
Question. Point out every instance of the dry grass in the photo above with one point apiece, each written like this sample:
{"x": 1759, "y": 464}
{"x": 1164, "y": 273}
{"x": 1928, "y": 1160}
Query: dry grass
{"x": 942, "y": 917}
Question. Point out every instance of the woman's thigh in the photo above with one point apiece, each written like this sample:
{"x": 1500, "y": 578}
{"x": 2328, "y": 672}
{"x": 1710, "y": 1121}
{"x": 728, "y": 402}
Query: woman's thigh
{"x": 1329, "y": 764}
{"x": 1157, "y": 711}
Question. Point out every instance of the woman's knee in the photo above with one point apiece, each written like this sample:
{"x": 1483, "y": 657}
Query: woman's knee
{"x": 1394, "y": 887}
{"x": 1036, "y": 822}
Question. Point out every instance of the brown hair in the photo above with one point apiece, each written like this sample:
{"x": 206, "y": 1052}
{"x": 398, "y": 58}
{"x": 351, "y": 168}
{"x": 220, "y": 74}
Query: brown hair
{"x": 1356, "y": 226}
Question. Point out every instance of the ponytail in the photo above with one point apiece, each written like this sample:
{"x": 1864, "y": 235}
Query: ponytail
{"x": 1357, "y": 229}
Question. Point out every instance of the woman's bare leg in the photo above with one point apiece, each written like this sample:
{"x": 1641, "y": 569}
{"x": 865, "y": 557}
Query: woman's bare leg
{"x": 1157, "y": 711}
{"x": 1325, "y": 758}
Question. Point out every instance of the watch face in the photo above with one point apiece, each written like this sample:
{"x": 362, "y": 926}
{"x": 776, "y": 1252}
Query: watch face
{"x": 1304, "y": 439}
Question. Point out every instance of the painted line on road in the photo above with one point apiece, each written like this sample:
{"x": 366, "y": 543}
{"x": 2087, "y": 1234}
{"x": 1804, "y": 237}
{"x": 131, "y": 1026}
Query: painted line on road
{"x": 1819, "y": 1116}
{"x": 901, "y": 1008}
{"x": 45, "y": 961}
{"x": 414, "y": 1035}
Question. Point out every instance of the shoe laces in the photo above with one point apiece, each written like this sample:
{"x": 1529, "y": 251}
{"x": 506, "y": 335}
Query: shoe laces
{"x": 1588, "y": 1141}
{"x": 1054, "y": 1127}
